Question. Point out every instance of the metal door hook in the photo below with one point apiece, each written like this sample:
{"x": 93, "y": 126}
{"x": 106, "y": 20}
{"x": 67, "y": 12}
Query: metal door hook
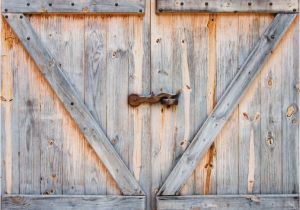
{"x": 136, "y": 100}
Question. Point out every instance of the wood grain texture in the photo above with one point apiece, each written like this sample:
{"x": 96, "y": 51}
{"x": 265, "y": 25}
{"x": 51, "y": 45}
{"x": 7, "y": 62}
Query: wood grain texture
{"x": 9, "y": 110}
{"x": 249, "y": 112}
{"x": 229, "y": 202}
{"x": 271, "y": 123}
{"x": 222, "y": 6}
{"x": 227, "y": 68}
{"x": 227, "y": 104}
{"x": 95, "y": 97}
{"x": 31, "y": 202}
{"x": 290, "y": 119}
{"x": 74, "y": 104}
{"x": 74, "y": 7}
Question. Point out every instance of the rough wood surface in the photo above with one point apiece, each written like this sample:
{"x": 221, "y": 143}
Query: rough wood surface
{"x": 249, "y": 112}
{"x": 88, "y": 202}
{"x": 222, "y": 6}
{"x": 229, "y": 202}
{"x": 227, "y": 68}
{"x": 74, "y": 104}
{"x": 73, "y": 7}
{"x": 227, "y": 104}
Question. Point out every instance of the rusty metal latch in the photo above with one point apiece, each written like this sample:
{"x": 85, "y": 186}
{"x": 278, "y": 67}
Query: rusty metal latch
{"x": 167, "y": 99}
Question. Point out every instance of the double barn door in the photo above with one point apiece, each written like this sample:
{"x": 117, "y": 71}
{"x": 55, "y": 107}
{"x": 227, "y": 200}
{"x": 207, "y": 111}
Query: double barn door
{"x": 223, "y": 135}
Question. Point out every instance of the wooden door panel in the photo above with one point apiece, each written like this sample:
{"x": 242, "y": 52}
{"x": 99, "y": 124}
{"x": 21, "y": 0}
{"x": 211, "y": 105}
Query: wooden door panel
{"x": 47, "y": 162}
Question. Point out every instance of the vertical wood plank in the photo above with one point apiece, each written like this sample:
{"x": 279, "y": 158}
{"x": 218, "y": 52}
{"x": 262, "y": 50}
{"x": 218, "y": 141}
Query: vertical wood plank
{"x": 227, "y": 141}
{"x": 271, "y": 122}
{"x": 66, "y": 43}
{"x": 95, "y": 96}
{"x": 51, "y": 136}
{"x": 9, "y": 110}
{"x": 29, "y": 118}
{"x": 72, "y": 61}
{"x": 139, "y": 74}
{"x": 162, "y": 118}
{"x": 117, "y": 89}
{"x": 205, "y": 80}
{"x": 249, "y": 112}
{"x": 290, "y": 110}
{"x": 51, "y": 153}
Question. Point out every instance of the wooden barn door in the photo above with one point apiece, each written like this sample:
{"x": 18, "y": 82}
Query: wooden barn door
{"x": 233, "y": 140}
{"x": 84, "y": 123}
{"x": 69, "y": 138}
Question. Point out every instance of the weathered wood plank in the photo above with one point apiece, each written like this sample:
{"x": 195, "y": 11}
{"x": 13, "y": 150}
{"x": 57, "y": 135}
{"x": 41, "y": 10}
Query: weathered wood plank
{"x": 95, "y": 97}
{"x": 74, "y": 104}
{"x": 139, "y": 71}
{"x": 88, "y": 202}
{"x": 51, "y": 123}
{"x": 74, "y": 7}
{"x": 117, "y": 89}
{"x": 227, "y": 141}
{"x": 162, "y": 120}
{"x": 229, "y": 202}
{"x": 51, "y": 155}
{"x": 9, "y": 110}
{"x": 271, "y": 124}
{"x": 227, "y": 104}
{"x": 222, "y": 6}
{"x": 249, "y": 112}
{"x": 290, "y": 111}
{"x": 205, "y": 96}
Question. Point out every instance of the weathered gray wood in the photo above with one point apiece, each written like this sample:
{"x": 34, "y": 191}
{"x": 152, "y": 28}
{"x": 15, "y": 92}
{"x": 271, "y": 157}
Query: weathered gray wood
{"x": 271, "y": 123}
{"x": 95, "y": 96}
{"x": 227, "y": 104}
{"x": 249, "y": 113}
{"x": 229, "y": 202}
{"x": 88, "y": 202}
{"x": 51, "y": 154}
{"x": 9, "y": 110}
{"x": 74, "y": 7}
{"x": 223, "y": 6}
{"x": 290, "y": 110}
{"x": 74, "y": 104}
{"x": 227, "y": 68}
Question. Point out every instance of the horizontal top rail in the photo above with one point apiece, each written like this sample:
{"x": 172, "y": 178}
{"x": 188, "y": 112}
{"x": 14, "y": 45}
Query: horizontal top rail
{"x": 225, "y": 6}
{"x": 74, "y": 6}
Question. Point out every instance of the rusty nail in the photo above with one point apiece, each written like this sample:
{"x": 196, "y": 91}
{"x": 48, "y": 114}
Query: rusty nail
{"x": 249, "y": 3}
{"x": 181, "y": 3}
{"x": 206, "y": 3}
{"x": 271, "y": 4}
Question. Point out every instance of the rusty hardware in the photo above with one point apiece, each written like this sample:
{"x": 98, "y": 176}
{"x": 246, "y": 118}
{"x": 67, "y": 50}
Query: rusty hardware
{"x": 167, "y": 99}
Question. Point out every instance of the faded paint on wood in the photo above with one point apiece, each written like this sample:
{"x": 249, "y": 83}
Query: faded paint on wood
{"x": 222, "y": 6}
{"x": 73, "y": 7}
{"x": 30, "y": 202}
